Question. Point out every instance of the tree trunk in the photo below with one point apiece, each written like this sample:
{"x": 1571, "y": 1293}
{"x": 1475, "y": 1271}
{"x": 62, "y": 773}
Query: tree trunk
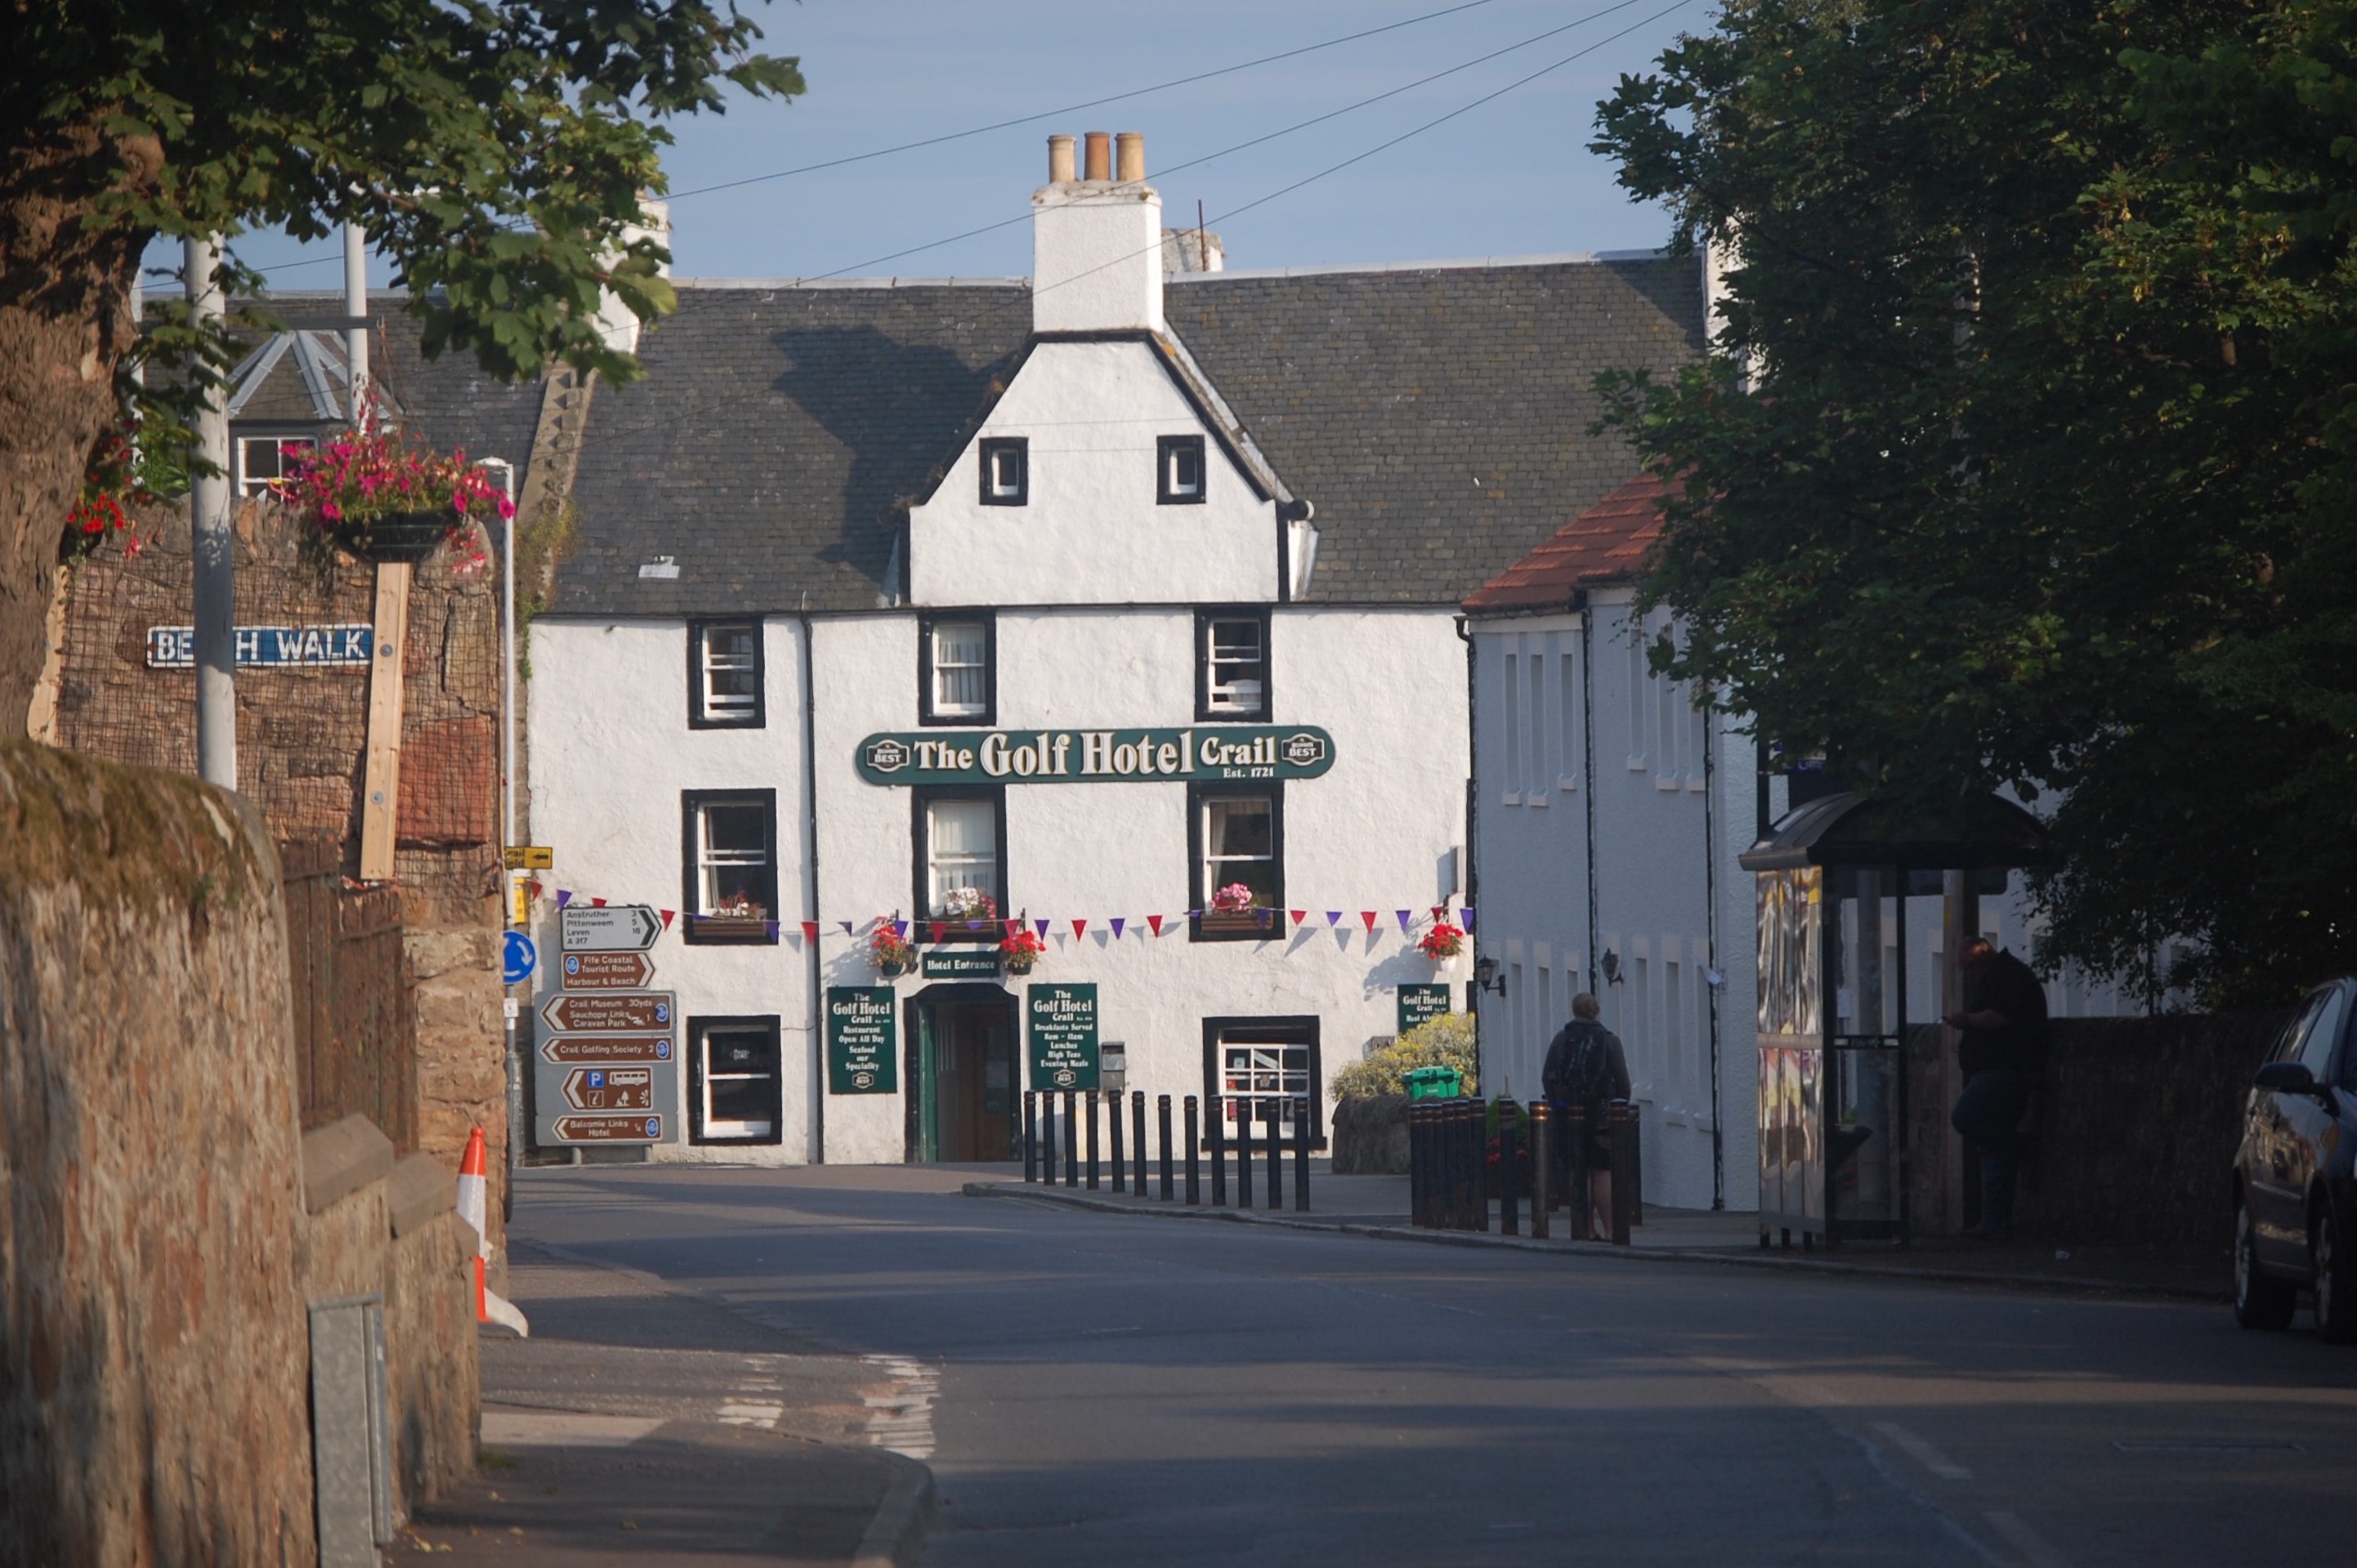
{"x": 65, "y": 324}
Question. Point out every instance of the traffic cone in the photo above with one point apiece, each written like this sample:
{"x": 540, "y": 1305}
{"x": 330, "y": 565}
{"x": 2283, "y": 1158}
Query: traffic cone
{"x": 474, "y": 1207}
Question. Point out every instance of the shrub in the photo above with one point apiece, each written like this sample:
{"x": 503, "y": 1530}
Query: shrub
{"x": 1445, "y": 1041}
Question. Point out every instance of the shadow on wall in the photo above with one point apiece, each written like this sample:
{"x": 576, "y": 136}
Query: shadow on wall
{"x": 889, "y": 405}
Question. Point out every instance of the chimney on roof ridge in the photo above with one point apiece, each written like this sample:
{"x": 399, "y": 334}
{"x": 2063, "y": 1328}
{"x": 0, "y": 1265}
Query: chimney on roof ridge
{"x": 1096, "y": 241}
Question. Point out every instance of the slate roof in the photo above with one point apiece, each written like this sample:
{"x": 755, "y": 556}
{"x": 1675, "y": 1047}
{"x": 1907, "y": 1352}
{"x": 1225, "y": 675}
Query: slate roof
{"x": 1437, "y": 417}
{"x": 1606, "y": 543}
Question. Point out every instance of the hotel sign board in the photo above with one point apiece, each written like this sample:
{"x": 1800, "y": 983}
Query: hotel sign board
{"x": 1063, "y": 1036}
{"x": 1096, "y": 756}
{"x": 862, "y": 1053}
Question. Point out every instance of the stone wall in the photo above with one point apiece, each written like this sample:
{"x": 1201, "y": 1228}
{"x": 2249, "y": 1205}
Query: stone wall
{"x": 153, "y": 1339}
{"x": 2137, "y": 1131}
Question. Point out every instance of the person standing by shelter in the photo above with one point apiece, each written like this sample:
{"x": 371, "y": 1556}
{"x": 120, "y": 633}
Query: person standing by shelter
{"x": 1587, "y": 1067}
{"x": 2002, "y": 1055}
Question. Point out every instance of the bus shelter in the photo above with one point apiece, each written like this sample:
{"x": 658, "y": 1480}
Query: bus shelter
{"x": 1834, "y": 879}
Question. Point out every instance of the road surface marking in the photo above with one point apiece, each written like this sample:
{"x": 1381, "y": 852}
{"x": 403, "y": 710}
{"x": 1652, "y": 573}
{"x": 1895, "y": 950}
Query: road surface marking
{"x": 1931, "y": 1458}
{"x": 564, "y": 1429}
{"x": 901, "y": 1420}
{"x": 2035, "y": 1549}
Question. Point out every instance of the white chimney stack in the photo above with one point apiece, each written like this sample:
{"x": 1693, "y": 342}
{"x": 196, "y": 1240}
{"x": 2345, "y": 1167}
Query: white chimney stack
{"x": 1096, "y": 241}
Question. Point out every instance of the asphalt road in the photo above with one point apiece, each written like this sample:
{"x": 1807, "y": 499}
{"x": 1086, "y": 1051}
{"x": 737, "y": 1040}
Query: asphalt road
{"x": 1107, "y": 1390}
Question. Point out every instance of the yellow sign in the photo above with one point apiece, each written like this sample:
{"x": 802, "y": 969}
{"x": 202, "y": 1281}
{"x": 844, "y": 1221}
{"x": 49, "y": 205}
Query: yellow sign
{"x": 531, "y": 857}
{"x": 518, "y": 903}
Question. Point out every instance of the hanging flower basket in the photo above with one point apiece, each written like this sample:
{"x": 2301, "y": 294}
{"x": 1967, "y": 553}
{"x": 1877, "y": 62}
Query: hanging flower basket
{"x": 401, "y": 536}
{"x": 1020, "y": 951}
{"x": 1444, "y": 941}
{"x": 891, "y": 954}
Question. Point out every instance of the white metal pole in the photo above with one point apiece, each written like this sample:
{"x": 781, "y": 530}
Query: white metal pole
{"x": 215, "y": 607}
{"x": 356, "y": 343}
{"x": 507, "y": 656}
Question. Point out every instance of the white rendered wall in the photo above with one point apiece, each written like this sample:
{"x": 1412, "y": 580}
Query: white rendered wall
{"x": 611, "y": 751}
{"x": 1096, "y": 258}
{"x": 1664, "y": 858}
{"x": 1371, "y": 833}
{"x": 1092, "y": 531}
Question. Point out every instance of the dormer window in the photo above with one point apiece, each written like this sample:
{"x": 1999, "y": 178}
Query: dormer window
{"x": 1179, "y": 462}
{"x": 1006, "y": 471}
{"x": 266, "y": 462}
{"x": 1232, "y": 664}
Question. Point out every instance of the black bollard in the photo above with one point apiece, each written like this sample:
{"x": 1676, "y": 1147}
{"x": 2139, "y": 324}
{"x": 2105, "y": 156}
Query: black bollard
{"x": 1276, "y": 1155}
{"x": 1541, "y": 1170}
{"x": 1138, "y": 1125}
{"x": 1162, "y": 1127}
{"x": 1243, "y": 1151}
{"x": 1510, "y": 1209}
{"x": 1071, "y": 1139}
{"x": 1094, "y": 1098}
{"x": 1120, "y": 1165}
{"x": 1577, "y": 1187}
{"x": 1480, "y": 1154}
{"x": 1419, "y": 1164}
{"x": 1216, "y": 1112}
{"x": 1624, "y": 1172}
{"x": 1301, "y": 1155}
{"x": 1030, "y": 1135}
{"x": 1194, "y": 1172}
{"x": 1048, "y": 1139}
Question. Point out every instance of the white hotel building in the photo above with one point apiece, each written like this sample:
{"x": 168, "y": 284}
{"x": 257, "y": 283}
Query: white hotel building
{"x": 1087, "y": 595}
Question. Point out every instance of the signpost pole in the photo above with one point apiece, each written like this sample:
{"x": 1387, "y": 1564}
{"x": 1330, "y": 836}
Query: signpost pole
{"x": 215, "y": 605}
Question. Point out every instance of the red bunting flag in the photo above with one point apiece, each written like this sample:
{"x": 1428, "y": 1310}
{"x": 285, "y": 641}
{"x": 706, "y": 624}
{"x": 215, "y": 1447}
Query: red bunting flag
{"x": 596, "y": 902}
{"x": 810, "y": 930}
{"x": 1079, "y": 928}
{"x": 1300, "y": 916}
{"x": 1013, "y": 926}
{"x": 938, "y": 927}
{"x": 1154, "y": 923}
{"x": 670, "y": 915}
{"x": 1439, "y": 913}
{"x": 1368, "y": 917}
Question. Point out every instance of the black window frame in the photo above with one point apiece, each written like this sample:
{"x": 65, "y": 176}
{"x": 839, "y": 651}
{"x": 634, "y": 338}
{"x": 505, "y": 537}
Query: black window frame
{"x": 1205, "y": 926}
{"x": 1204, "y": 618}
{"x": 1166, "y": 448}
{"x": 694, "y": 1035}
{"x": 920, "y": 800}
{"x": 1308, "y": 1025}
{"x": 926, "y": 715}
{"x": 713, "y": 930}
{"x": 987, "y": 449}
{"x": 697, "y": 717}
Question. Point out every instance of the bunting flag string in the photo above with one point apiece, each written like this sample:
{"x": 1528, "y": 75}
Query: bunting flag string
{"x": 1080, "y": 930}
{"x": 563, "y": 896}
{"x": 1465, "y": 917}
{"x": 1115, "y": 924}
{"x": 1298, "y": 916}
{"x": 670, "y": 915}
{"x": 1154, "y": 923}
{"x": 1043, "y": 925}
{"x": 810, "y": 930}
{"x": 1403, "y": 920}
{"x": 1333, "y": 918}
{"x": 1368, "y": 917}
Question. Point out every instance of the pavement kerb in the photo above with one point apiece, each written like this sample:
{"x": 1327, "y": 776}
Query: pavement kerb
{"x": 1738, "y": 1260}
{"x": 895, "y": 1537}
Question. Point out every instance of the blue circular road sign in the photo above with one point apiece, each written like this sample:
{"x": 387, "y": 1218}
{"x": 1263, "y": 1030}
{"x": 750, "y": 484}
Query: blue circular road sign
{"x": 518, "y": 958}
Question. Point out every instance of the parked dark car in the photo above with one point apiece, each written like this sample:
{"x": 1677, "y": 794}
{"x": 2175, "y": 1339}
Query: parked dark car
{"x": 2294, "y": 1199}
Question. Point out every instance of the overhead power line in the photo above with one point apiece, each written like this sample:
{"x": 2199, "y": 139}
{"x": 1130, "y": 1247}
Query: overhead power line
{"x": 1091, "y": 103}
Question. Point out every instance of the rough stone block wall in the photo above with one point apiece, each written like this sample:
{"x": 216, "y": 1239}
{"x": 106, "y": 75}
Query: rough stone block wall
{"x": 2139, "y": 1122}
{"x": 461, "y": 1060}
{"x": 153, "y": 1340}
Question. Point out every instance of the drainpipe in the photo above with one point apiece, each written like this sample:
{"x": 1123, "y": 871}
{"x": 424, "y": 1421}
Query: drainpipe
{"x": 1588, "y": 754}
{"x": 1472, "y": 819}
{"x": 1715, "y": 978}
{"x": 810, "y": 893}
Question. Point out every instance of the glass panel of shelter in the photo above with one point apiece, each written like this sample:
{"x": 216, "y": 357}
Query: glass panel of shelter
{"x": 1866, "y": 1095}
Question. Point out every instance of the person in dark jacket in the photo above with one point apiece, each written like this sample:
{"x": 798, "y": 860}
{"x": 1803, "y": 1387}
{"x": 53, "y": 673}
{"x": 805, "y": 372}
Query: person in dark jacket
{"x": 1585, "y": 1067}
{"x": 2002, "y": 1055}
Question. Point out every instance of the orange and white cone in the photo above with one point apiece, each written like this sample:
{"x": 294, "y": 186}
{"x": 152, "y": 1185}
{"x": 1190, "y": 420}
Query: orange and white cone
{"x": 474, "y": 1207}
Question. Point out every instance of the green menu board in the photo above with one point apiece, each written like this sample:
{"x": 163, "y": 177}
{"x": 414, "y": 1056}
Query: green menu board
{"x": 1419, "y": 1003}
{"x": 863, "y": 1055}
{"x": 1063, "y": 1036}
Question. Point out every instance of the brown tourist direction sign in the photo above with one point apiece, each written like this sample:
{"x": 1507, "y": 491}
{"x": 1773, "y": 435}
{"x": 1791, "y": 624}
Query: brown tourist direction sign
{"x": 589, "y": 1049}
{"x": 613, "y": 1013}
{"x": 605, "y": 970}
{"x": 609, "y": 1129}
{"x": 610, "y": 1089}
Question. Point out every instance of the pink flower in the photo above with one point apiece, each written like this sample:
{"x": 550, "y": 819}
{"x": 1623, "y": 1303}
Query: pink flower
{"x": 331, "y": 511}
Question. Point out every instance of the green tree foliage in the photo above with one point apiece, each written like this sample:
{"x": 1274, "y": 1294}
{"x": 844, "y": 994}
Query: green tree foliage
{"x": 1445, "y": 1041}
{"x": 2022, "y": 455}
{"x": 497, "y": 149}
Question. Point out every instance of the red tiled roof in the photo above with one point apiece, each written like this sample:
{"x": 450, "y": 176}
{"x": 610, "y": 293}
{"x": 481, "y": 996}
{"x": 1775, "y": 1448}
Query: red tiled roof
{"x": 1605, "y": 543}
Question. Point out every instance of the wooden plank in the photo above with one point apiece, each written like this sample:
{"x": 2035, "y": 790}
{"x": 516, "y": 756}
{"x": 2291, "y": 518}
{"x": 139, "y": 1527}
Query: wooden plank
{"x": 381, "y": 786}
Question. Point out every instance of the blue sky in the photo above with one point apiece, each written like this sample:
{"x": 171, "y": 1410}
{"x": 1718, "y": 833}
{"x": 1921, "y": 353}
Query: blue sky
{"x": 1511, "y": 177}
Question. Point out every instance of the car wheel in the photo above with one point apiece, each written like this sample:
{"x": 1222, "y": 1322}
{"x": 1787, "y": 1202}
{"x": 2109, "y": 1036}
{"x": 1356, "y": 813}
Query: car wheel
{"x": 2261, "y": 1301}
{"x": 2335, "y": 1293}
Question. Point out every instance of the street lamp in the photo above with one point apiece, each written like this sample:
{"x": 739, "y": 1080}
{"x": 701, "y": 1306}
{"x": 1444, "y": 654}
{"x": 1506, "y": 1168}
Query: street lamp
{"x": 1486, "y": 975}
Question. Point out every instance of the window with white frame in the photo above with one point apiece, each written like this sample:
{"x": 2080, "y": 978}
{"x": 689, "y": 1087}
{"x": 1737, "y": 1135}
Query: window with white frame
{"x": 1233, "y": 664}
{"x": 1265, "y": 1072}
{"x": 725, "y": 675}
{"x": 736, "y": 1095}
{"x": 960, "y": 853}
{"x": 1179, "y": 462}
{"x": 732, "y": 866}
{"x": 958, "y": 688}
{"x": 1006, "y": 471}
{"x": 1238, "y": 836}
{"x": 265, "y": 462}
